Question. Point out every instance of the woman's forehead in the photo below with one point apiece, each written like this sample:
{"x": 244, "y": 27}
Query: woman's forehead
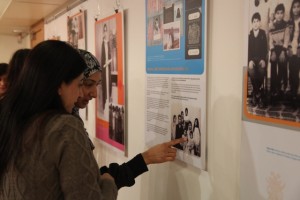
{"x": 95, "y": 76}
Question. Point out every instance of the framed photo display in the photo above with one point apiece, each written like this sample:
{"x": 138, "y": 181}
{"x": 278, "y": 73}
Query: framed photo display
{"x": 271, "y": 82}
{"x": 176, "y": 76}
{"x": 77, "y": 30}
{"x": 111, "y": 109}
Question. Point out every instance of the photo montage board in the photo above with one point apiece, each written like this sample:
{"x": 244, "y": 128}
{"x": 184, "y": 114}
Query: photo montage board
{"x": 176, "y": 76}
{"x": 270, "y": 153}
{"x": 77, "y": 30}
{"x": 110, "y": 103}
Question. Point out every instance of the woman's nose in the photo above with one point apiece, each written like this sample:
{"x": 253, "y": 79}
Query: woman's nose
{"x": 93, "y": 92}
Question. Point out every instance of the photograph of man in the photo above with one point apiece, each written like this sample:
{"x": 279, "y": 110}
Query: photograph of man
{"x": 106, "y": 64}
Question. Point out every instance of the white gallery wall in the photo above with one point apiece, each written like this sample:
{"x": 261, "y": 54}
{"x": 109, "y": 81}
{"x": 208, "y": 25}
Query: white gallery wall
{"x": 225, "y": 58}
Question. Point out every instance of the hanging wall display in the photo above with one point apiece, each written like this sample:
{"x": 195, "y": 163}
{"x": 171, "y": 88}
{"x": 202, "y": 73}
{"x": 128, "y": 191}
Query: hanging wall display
{"x": 110, "y": 115}
{"x": 76, "y": 33}
{"x": 271, "y": 88}
{"x": 77, "y": 30}
{"x": 270, "y": 153}
{"x": 176, "y": 76}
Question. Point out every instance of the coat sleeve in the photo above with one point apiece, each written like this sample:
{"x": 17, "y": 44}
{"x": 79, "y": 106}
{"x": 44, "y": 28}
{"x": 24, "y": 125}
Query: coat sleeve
{"x": 126, "y": 173}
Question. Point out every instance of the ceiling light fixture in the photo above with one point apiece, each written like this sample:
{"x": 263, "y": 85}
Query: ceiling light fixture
{"x": 3, "y": 6}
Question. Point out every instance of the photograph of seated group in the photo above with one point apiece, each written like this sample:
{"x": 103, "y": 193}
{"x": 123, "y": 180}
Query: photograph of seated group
{"x": 271, "y": 84}
{"x": 186, "y": 125}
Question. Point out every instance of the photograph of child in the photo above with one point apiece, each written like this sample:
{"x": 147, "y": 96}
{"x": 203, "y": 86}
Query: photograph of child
{"x": 272, "y": 88}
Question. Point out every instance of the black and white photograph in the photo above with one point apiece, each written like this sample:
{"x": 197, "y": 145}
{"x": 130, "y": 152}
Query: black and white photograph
{"x": 186, "y": 123}
{"x": 157, "y": 28}
{"x": 106, "y": 53}
{"x": 171, "y": 38}
{"x": 274, "y": 60}
{"x": 169, "y": 14}
{"x": 116, "y": 123}
{"x": 76, "y": 30}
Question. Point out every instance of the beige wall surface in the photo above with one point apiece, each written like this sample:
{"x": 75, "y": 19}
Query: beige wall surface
{"x": 9, "y": 44}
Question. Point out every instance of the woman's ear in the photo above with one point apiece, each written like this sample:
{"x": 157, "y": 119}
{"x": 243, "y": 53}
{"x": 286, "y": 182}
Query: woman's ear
{"x": 59, "y": 91}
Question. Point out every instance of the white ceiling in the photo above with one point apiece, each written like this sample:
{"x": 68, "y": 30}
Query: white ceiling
{"x": 21, "y": 14}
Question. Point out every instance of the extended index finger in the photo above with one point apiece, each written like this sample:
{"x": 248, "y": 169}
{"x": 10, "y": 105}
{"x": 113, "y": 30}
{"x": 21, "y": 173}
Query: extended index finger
{"x": 176, "y": 141}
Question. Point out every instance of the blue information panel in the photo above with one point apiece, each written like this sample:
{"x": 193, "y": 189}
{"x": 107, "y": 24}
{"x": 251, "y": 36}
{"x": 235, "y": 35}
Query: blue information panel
{"x": 175, "y": 37}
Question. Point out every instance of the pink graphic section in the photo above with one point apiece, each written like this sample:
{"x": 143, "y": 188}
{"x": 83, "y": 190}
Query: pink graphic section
{"x": 102, "y": 133}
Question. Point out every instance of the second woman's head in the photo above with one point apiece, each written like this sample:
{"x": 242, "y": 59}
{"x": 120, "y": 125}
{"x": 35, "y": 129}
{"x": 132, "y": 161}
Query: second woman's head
{"x": 92, "y": 78}
{"x": 51, "y": 78}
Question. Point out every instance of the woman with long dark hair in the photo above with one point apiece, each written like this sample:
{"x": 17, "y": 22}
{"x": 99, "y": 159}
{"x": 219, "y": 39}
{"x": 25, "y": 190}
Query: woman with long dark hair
{"x": 197, "y": 137}
{"x": 16, "y": 64}
{"x": 44, "y": 150}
